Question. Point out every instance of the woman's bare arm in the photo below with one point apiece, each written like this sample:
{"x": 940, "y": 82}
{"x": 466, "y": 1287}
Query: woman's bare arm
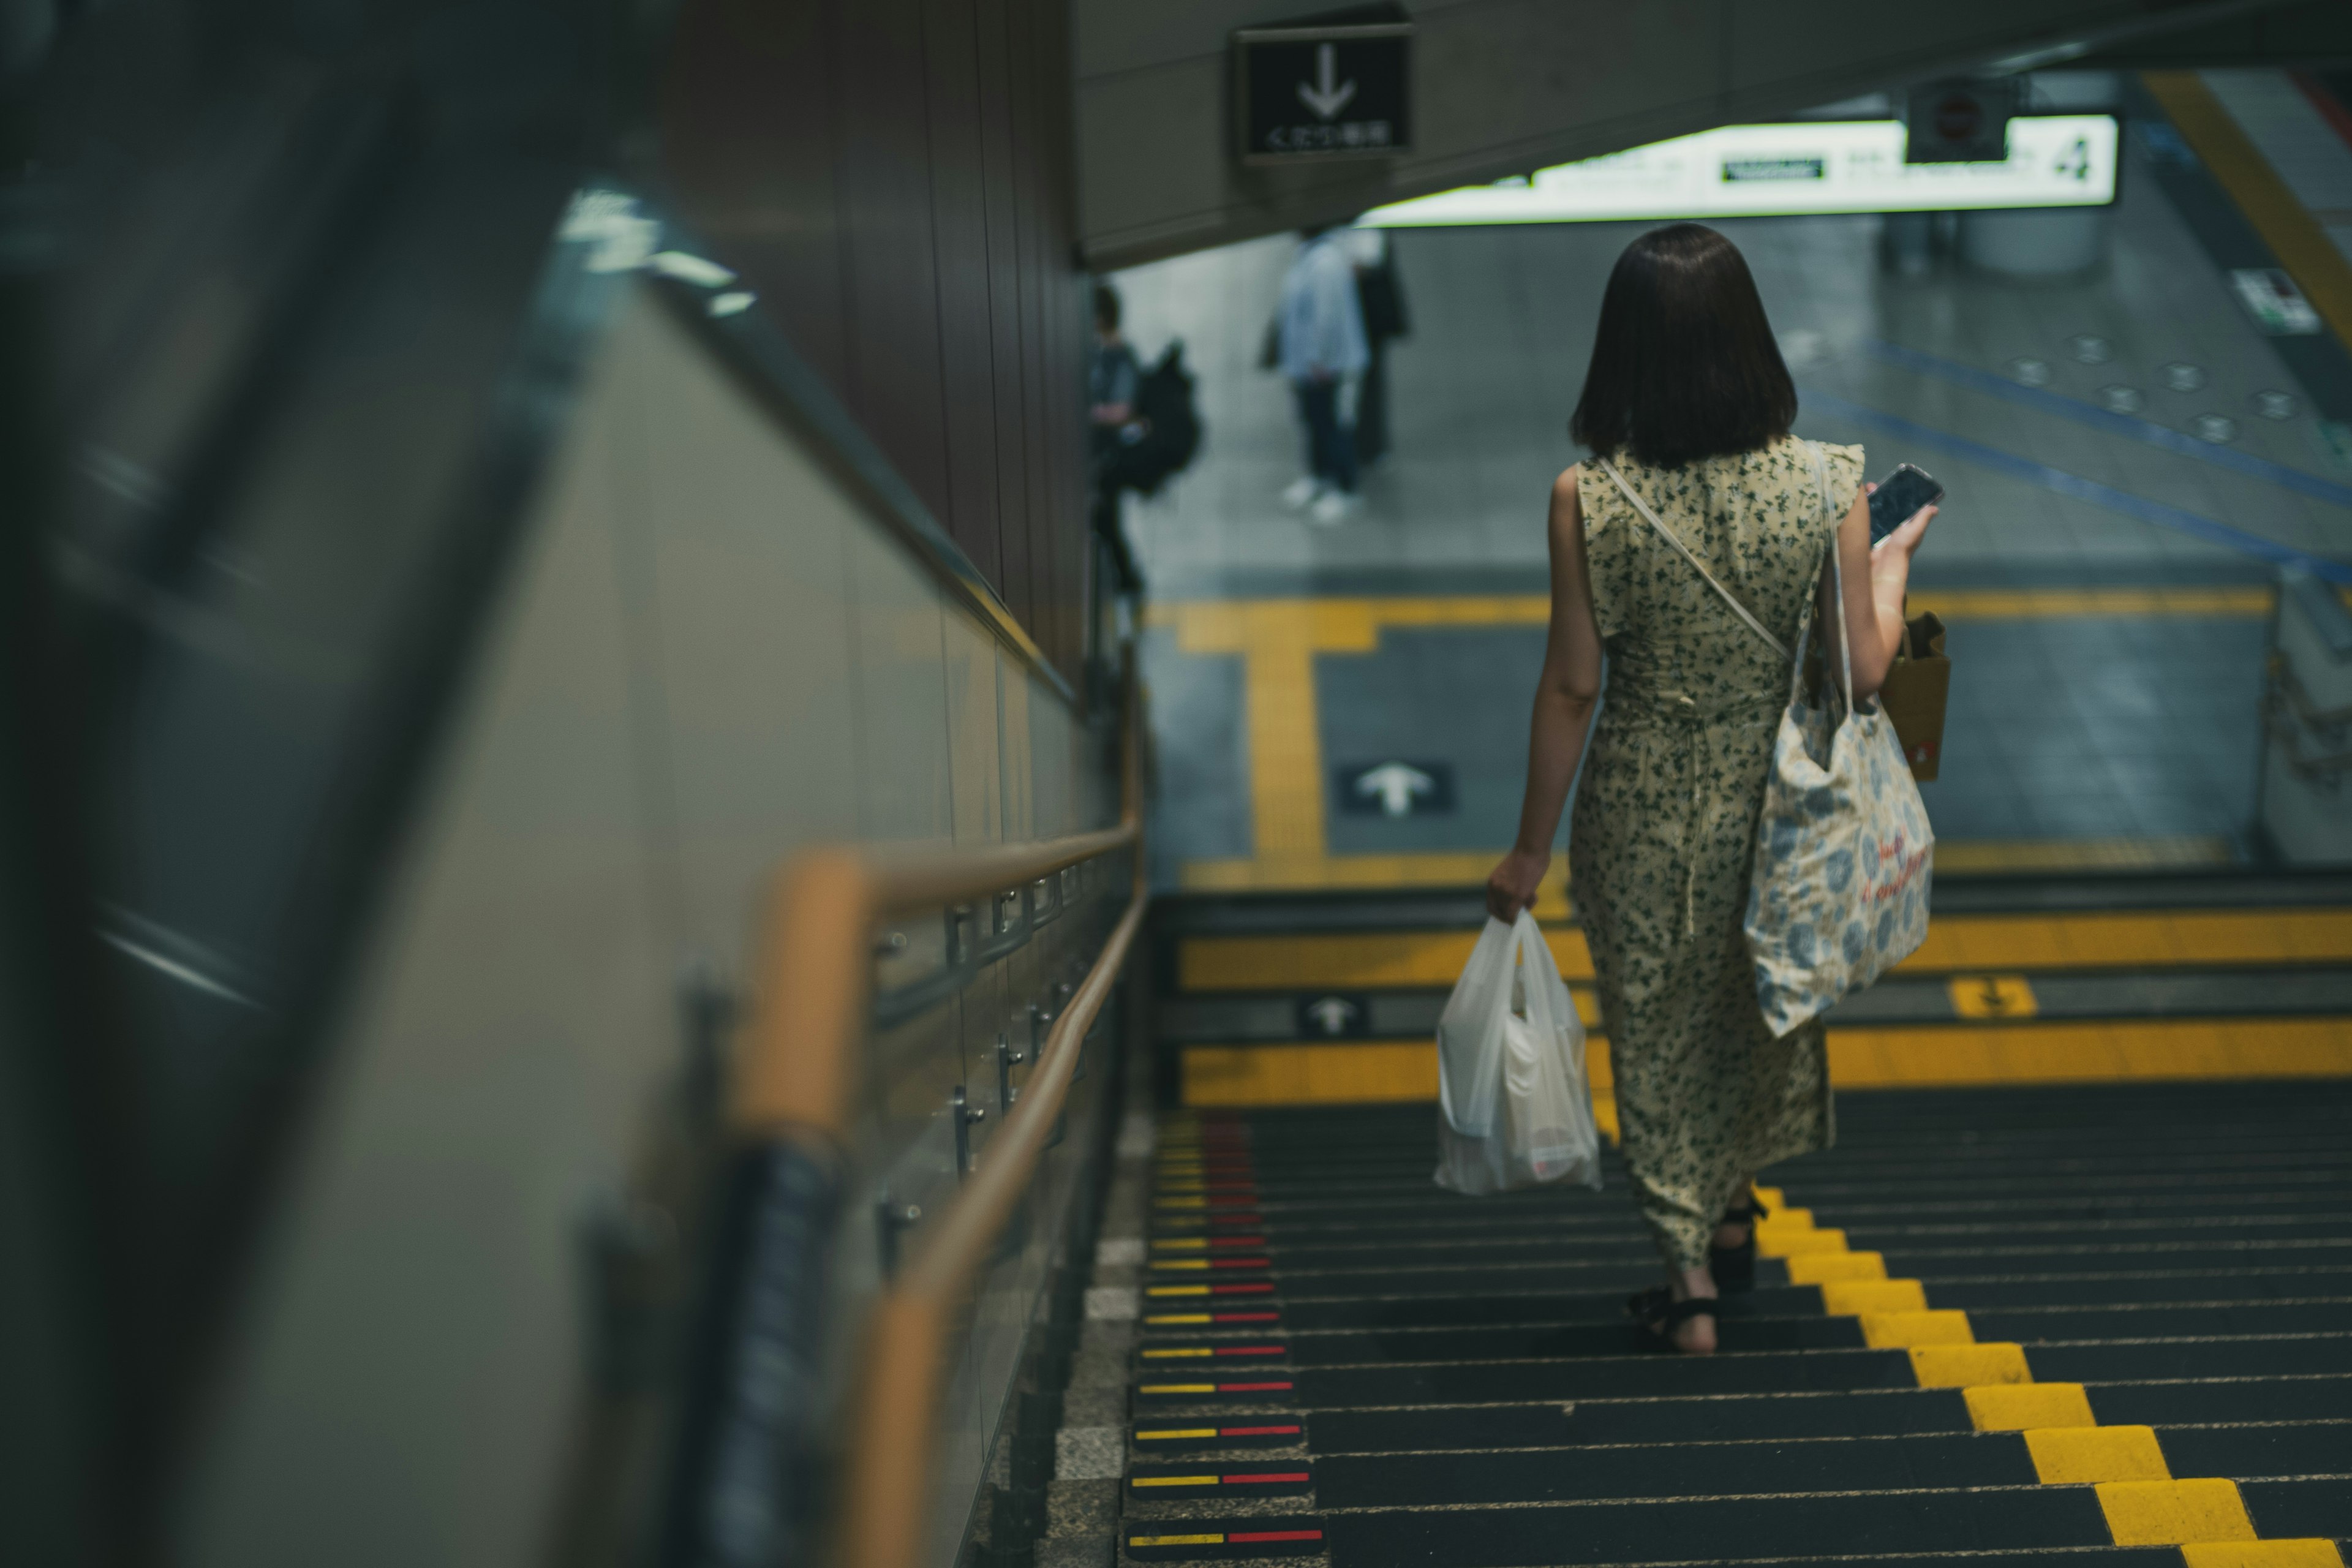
{"x": 1875, "y": 581}
{"x": 1563, "y": 709}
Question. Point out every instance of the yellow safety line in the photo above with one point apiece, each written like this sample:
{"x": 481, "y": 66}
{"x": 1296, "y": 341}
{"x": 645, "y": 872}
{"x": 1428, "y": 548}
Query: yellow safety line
{"x": 1928, "y": 1057}
{"x": 2301, "y": 245}
{"x": 2144, "y": 1503}
{"x": 1297, "y": 873}
{"x": 1955, "y": 944}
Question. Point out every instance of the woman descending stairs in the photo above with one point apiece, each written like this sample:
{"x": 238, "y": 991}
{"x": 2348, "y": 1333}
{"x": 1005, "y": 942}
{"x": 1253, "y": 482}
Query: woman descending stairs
{"x": 2102, "y": 1325}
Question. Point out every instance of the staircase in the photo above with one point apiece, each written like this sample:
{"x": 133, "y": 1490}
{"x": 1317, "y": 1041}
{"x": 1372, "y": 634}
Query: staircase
{"x": 2106, "y": 1320}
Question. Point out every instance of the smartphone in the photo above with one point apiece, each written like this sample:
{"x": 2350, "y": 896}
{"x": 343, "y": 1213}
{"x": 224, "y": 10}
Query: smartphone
{"x": 1898, "y": 495}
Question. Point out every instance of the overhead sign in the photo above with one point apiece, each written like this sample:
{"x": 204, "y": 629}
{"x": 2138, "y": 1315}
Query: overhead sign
{"x": 1780, "y": 170}
{"x": 1959, "y": 122}
{"x": 1324, "y": 90}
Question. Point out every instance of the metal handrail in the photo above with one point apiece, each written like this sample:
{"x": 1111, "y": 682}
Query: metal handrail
{"x": 795, "y": 1077}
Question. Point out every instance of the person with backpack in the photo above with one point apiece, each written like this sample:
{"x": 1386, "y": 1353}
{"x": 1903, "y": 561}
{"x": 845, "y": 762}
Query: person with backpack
{"x": 1145, "y": 427}
{"x": 1113, "y": 381}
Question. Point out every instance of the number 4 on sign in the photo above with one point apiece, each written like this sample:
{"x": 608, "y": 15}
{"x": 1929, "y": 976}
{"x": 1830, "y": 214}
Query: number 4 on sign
{"x": 1992, "y": 996}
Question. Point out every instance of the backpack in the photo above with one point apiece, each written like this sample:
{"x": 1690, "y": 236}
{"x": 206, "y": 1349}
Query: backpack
{"x": 1171, "y": 427}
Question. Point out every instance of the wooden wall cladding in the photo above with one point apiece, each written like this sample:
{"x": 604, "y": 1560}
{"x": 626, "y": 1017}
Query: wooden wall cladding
{"x": 896, "y": 179}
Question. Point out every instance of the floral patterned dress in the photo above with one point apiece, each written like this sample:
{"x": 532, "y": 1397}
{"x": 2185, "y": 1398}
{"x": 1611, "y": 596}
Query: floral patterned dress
{"x": 1665, "y": 824}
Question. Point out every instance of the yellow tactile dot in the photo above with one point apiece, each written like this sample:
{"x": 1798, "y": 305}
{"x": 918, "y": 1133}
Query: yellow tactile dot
{"x": 2075, "y": 1456}
{"x": 1820, "y": 1268}
{"x": 1969, "y": 1366}
{"x": 2019, "y": 1406}
{"x": 1791, "y": 1243}
{"x": 2174, "y": 1513}
{"x": 1896, "y": 1330}
{"x": 2263, "y": 1555}
{"x": 1847, "y": 1298}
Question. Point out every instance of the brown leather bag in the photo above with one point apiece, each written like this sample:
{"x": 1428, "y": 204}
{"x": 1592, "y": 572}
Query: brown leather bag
{"x": 1914, "y": 693}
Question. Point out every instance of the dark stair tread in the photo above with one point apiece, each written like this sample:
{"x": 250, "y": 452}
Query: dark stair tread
{"x": 2263, "y": 1397}
{"x": 1762, "y": 1468}
{"x": 2260, "y": 1449}
{"x": 2301, "y": 1508}
{"x": 1707, "y": 1528}
{"x": 1891, "y": 1412}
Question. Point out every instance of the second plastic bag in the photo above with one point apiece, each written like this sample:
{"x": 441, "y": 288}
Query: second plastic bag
{"x": 1513, "y": 1108}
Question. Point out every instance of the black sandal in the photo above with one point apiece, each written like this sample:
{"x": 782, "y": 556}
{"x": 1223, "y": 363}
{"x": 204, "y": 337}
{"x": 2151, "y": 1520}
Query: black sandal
{"x": 1734, "y": 1268}
{"x": 1659, "y": 1315}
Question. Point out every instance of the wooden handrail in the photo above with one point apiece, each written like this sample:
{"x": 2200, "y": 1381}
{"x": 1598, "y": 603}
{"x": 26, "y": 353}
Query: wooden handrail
{"x": 885, "y": 1500}
{"x": 817, "y": 963}
{"x": 796, "y": 1076}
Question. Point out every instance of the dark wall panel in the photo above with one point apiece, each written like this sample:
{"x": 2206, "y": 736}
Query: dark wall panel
{"x": 751, "y": 132}
{"x": 896, "y": 179}
{"x": 960, "y": 221}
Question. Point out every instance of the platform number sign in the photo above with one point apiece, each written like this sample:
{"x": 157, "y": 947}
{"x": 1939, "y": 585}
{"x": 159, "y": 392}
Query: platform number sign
{"x": 1338, "y": 89}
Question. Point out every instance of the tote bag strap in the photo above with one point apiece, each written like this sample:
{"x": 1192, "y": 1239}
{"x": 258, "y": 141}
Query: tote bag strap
{"x": 1837, "y": 575}
{"x": 1775, "y": 643}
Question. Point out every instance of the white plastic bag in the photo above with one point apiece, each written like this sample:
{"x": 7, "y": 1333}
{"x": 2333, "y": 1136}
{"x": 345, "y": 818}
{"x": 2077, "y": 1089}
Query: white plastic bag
{"x": 1513, "y": 1108}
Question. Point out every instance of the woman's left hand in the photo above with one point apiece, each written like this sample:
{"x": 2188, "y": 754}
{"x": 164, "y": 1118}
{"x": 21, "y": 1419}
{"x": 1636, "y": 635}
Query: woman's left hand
{"x": 1511, "y": 886}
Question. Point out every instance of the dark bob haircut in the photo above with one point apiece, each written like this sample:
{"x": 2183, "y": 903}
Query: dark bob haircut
{"x": 1684, "y": 364}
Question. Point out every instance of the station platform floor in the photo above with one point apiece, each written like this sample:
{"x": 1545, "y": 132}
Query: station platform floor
{"x": 2130, "y": 457}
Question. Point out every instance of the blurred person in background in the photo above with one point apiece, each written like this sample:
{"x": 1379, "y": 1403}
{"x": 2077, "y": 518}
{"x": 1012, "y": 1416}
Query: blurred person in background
{"x": 1380, "y": 294}
{"x": 1322, "y": 353}
{"x": 1113, "y": 380}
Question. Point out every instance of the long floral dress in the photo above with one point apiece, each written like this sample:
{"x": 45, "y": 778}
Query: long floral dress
{"x": 1664, "y": 824}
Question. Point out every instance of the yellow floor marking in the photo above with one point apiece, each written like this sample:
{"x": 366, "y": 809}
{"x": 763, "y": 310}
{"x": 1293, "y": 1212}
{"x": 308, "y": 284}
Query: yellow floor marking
{"x": 1969, "y": 1366}
{"x": 2141, "y": 1049}
{"x": 2079, "y": 1456}
{"x": 2000, "y": 945}
{"x": 1831, "y": 1267}
{"x": 2293, "y": 235}
{"x": 1426, "y": 869}
{"x": 2070, "y": 604}
{"x": 1369, "y": 961}
{"x": 1795, "y": 1243}
{"x": 1468, "y": 868}
{"x": 1987, "y": 855}
{"x": 1166, "y": 1319}
{"x": 1940, "y": 1055}
{"x": 1181, "y": 1432}
{"x": 1851, "y": 1297}
{"x": 1175, "y": 1540}
{"x": 2174, "y": 1513}
{"x": 2261, "y": 1554}
{"x": 1903, "y": 1330}
{"x": 1177, "y": 1388}
{"x": 1174, "y": 1480}
{"x": 2023, "y": 1406}
{"x": 1992, "y": 996}
{"x": 1181, "y": 1352}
